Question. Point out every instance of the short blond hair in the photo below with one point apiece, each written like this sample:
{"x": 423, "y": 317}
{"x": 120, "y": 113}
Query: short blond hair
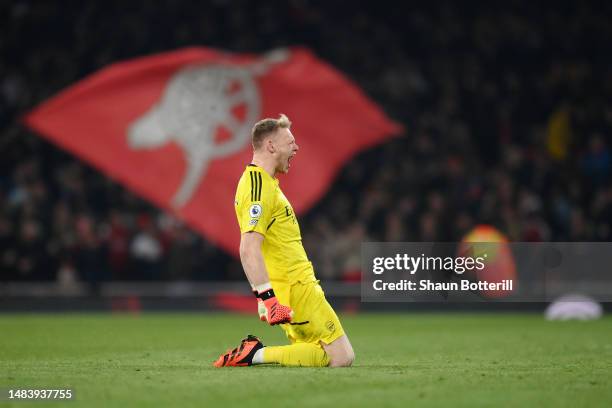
{"x": 267, "y": 126}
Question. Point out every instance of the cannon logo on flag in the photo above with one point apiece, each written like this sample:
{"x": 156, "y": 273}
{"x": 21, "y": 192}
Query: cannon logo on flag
{"x": 196, "y": 103}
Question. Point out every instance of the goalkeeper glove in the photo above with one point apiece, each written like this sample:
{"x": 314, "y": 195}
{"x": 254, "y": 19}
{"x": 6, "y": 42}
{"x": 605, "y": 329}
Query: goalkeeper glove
{"x": 261, "y": 309}
{"x": 275, "y": 313}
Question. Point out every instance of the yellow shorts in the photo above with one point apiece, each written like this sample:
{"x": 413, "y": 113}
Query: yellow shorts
{"x": 314, "y": 320}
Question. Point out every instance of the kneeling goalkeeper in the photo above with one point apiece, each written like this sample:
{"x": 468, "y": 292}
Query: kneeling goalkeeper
{"x": 276, "y": 265}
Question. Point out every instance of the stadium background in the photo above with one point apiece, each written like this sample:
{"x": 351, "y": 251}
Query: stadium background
{"x": 507, "y": 112}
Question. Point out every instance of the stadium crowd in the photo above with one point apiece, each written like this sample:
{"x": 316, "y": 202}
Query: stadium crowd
{"x": 507, "y": 110}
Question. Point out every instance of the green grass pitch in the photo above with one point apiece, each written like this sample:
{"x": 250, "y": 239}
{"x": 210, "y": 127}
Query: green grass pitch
{"x": 402, "y": 360}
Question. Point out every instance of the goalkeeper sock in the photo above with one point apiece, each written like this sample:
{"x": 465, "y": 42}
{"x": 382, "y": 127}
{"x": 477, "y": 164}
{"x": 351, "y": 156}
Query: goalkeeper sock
{"x": 297, "y": 355}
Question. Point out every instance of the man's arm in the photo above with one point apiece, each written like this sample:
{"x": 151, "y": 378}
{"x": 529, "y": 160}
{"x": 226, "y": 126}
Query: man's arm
{"x": 250, "y": 253}
{"x": 252, "y": 259}
{"x": 255, "y": 270}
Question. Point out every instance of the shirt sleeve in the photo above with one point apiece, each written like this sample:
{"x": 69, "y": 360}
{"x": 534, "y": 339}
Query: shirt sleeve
{"x": 256, "y": 205}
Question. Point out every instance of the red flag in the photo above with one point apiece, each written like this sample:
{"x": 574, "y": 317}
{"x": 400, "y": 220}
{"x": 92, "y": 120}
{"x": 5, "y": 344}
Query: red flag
{"x": 175, "y": 127}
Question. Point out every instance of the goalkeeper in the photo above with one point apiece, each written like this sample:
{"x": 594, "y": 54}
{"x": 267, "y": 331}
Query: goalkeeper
{"x": 276, "y": 265}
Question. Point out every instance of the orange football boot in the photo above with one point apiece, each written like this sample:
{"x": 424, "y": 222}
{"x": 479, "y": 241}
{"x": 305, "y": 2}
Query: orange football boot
{"x": 242, "y": 355}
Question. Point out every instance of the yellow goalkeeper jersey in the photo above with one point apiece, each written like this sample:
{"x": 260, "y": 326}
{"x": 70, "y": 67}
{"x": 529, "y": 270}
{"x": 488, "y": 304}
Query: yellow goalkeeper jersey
{"x": 262, "y": 207}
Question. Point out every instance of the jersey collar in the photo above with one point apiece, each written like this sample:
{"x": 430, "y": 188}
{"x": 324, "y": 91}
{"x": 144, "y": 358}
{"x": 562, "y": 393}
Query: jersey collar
{"x": 263, "y": 171}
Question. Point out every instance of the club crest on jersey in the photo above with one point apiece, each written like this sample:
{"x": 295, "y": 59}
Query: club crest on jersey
{"x": 255, "y": 211}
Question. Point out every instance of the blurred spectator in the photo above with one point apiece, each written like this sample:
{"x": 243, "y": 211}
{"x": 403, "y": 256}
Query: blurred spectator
{"x": 31, "y": 260}
{"x": 596, "y": 163}
{"x": 118, "y": 240}
{"x": 146, "y": 251}
{"x": 89, "y": 253}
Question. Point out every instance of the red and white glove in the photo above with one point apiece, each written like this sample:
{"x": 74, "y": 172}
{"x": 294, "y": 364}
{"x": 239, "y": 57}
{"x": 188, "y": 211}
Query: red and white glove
{"x": 274, "y": 313}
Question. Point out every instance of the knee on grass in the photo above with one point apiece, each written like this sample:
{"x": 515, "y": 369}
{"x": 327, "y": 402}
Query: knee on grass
{"x": 344, "y": 359}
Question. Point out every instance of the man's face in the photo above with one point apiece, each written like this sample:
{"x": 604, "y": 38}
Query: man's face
{"x": 286, "y": 148}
